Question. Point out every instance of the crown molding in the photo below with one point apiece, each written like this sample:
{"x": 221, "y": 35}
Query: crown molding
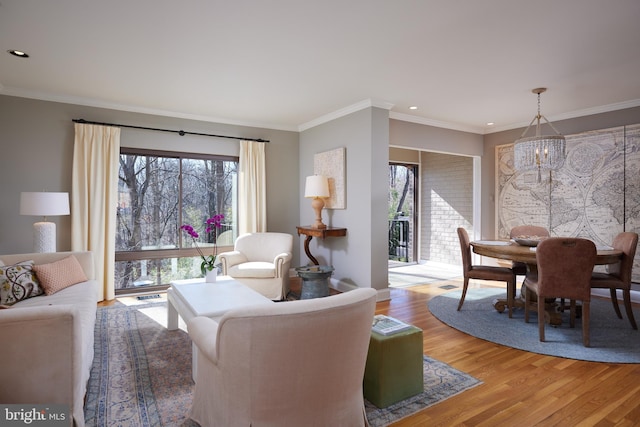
{"x": 89, "y": 102}
{"x": 435, "y": 123}
{"x": 367, "y": 103}
{"x": 597, "y": 110}
{"x": 573, "y": 114}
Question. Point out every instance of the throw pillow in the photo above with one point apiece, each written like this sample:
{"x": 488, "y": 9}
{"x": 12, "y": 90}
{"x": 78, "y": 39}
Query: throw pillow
{"x": 61, "y": 274}
{"x": 18, "y": 282}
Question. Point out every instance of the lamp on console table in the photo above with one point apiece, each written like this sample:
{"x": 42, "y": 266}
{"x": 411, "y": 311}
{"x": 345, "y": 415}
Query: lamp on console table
{"x": 44, "y": 204}
{"x": 317, "y": 188}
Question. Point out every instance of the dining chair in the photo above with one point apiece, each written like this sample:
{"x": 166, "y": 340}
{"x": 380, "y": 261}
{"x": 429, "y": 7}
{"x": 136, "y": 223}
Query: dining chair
{"x": 619, "y": 275}
{"x": 520, "y": 268}
{"x": 483, "y": 272}
{"x": 564, "y": 271}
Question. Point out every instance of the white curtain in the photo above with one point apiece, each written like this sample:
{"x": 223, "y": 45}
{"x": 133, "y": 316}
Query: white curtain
{"x": 252, "y": 193}
{"x": 94, "y": 199}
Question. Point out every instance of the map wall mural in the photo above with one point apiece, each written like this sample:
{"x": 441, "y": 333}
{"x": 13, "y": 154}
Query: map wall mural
{"x": 595, "y": 195}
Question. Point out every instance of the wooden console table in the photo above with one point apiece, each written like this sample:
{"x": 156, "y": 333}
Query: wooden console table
{"x": 318, "y": 232}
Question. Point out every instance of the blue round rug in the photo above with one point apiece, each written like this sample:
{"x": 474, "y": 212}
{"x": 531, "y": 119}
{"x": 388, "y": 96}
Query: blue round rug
{"x": 612, "y": 339}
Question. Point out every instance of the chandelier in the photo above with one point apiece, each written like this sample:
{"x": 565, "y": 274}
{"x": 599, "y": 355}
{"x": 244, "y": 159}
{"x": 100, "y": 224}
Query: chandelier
{"x": 540, "y": 151}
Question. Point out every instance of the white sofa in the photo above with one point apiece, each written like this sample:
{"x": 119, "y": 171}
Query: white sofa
{"x": 47, "y": 341}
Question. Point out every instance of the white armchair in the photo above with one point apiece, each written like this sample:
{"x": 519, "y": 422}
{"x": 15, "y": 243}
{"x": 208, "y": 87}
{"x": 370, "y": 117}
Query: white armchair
{"x": 261, "y": 261}
{"x": 298, "y": 363}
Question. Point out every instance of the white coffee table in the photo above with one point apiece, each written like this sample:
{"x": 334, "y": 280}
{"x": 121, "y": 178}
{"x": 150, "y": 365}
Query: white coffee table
{"x": 194, "y": 297}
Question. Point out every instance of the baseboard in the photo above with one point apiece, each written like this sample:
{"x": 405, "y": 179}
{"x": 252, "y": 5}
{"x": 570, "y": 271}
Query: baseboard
{"x": 383, "y": 294}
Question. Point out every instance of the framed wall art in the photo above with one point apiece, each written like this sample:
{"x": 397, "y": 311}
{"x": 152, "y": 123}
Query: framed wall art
{"x": 332, "y": 165}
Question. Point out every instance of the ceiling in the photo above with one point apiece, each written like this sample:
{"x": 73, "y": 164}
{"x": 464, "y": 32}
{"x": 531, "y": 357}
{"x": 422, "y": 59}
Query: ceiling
{"x": 287, "y": 64}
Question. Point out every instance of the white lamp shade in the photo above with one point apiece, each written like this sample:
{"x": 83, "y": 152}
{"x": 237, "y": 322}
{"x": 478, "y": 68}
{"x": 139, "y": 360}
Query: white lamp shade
{"x": 44, "y": 203}
{"x": 316, "y": 186}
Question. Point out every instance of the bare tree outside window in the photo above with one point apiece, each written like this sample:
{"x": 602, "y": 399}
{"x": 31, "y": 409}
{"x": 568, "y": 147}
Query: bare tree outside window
{"x": 158, "y": 192}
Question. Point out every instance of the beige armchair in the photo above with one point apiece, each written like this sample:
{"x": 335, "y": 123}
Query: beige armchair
{"x": 298, "y": 363}
{"x": 261, "y": 261}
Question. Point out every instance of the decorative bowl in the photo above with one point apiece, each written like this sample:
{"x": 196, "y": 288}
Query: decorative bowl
{"x": 531, "y": 241}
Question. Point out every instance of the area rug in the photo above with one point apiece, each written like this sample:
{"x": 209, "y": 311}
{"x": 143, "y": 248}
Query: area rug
{"x": 141, "y": 374}
{"x": 441, "y": 382}
{"x": 612, "y": 339}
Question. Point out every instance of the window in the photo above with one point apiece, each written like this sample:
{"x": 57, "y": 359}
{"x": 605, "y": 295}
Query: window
{"x": 157, "y": 193}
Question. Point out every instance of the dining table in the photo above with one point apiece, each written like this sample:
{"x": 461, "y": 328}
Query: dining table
{"x": 511, "y": 251}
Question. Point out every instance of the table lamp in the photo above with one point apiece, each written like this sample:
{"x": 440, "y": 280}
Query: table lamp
{"x": 317, "y": 188}
{"x": 44, "y": 204}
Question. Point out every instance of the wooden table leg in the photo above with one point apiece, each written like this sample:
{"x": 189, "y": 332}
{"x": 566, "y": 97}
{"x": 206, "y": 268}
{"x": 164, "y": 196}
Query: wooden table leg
{"x": 552, "y": 316}
{"x": 500, "y": 304}
{"x": 308, "y": 252}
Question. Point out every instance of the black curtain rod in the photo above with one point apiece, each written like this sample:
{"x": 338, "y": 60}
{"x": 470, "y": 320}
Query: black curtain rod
{"x": 179, "y": 132}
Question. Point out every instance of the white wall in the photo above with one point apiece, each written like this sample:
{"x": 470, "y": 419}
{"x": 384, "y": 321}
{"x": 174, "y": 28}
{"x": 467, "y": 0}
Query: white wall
{"x": 446, "y": 187}
{"x": 360, "y": 258}
{"x": 36, "y": 138}
{"x": 428, "y": 138}
{"x": 447, "y": 184}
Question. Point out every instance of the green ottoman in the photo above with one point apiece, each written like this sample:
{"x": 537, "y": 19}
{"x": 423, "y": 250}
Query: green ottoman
{"x": 394, "y": 367}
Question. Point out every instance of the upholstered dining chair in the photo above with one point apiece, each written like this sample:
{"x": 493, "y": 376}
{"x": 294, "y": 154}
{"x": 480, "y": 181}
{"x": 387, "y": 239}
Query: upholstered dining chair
{"x": 619, "y": 275}
{"x": 296, "y": 363}
{"x": 564, "y": 271}
{"x": 520, "y": 268}
{"x": 483, "y": 272}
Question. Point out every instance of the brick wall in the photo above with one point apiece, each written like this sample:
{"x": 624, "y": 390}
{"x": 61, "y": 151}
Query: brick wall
{"x": 447, "y": 203}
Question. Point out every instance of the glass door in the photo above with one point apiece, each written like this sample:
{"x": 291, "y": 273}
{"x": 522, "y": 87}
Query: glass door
{"x": 402, "y": 212}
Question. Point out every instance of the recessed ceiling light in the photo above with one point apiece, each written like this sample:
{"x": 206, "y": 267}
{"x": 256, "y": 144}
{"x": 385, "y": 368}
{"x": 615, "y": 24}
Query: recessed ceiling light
{"x": 490, "y": 123}
{"x": 413, "y": 107}
{"x": 18, "y": 53}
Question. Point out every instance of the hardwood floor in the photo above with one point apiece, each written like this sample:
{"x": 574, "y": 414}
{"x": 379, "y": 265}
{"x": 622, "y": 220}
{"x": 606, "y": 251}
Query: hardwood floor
{"x": 519, "y": 388}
